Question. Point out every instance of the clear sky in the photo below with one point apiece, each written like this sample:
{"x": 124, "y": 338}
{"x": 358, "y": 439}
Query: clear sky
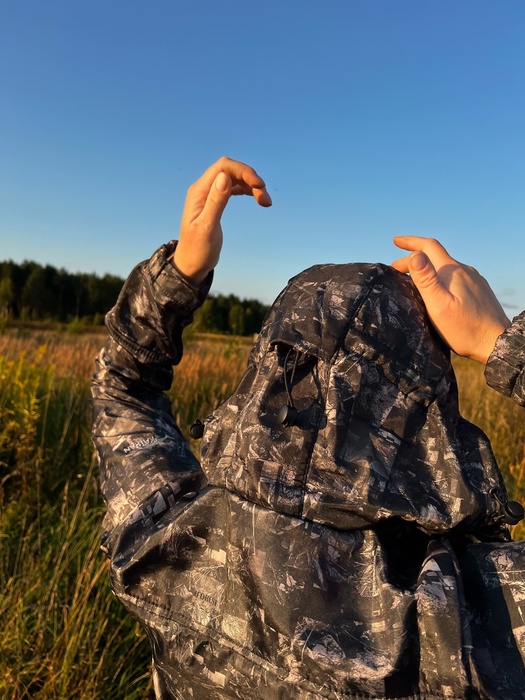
{"x": 367, "y": 118}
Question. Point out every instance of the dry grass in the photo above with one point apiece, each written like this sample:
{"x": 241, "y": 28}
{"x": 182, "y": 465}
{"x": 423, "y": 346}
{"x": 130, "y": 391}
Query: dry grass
{"x": 62, "y": 634}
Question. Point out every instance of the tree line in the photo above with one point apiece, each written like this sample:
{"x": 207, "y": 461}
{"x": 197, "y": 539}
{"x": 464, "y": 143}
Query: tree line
{"x": 229, "y": 314}
{"x": 33, "y": 292}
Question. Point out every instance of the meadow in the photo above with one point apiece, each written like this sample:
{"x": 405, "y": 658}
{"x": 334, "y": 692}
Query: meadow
{"x": 63, "y": 634}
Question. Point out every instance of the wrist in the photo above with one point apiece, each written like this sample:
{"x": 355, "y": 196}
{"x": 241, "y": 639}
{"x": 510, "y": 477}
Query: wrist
{"x": 488, "y": 342}
{"x": 191, "y": 275}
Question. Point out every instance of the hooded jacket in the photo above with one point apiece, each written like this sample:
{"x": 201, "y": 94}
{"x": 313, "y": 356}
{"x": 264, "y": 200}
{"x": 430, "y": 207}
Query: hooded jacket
{"x": 360, "y": 552}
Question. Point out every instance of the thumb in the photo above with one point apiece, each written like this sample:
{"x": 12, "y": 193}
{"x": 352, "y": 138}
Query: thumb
{"x": 217, "y": 199}
{"x": 424, "y": 276}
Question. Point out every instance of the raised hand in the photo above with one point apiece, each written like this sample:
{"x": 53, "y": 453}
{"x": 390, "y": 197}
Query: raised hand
{"x": 459, "y": 301}
{"x": 200, "y": 240}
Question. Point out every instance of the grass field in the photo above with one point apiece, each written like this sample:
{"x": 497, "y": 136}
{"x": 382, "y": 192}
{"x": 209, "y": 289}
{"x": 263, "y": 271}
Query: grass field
{"x": 62, "y": 633}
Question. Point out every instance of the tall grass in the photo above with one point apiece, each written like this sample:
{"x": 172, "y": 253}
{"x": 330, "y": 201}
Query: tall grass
{"x": 62, "y": 634}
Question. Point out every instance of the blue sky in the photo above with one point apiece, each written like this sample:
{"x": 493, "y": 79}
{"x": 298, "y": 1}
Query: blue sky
{"x": 367, "y": 118}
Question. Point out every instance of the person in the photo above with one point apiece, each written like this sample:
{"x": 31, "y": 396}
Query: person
{"x": 346, "y": 532}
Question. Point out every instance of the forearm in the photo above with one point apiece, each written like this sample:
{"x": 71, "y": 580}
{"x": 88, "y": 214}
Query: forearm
{"x": 505, "y": 369}
{"x": 145, "y": 462}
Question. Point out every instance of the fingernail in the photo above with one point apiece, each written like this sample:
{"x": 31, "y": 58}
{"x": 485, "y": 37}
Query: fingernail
{"x": 221, "y": 182}
{"x": 418, "y": 261}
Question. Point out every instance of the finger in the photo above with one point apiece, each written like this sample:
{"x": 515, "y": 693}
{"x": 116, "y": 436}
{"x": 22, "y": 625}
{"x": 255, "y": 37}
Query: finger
{"x": 217, "y": 199}
{"x": 425, "y": 276}
{"x": 262, "y": 197}
{"x": 260, "y": 194}
{"x": 411, "y": 242}
{"x": 430, "y": 246}
{"x": 422, "y": 271}
{"x": 242, "y": 189}
{"x": 401, "y": 264}
{"x": 435, "y": 252}
{"x": 239, "y": 173}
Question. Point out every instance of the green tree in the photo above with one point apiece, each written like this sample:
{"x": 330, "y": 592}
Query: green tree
{"x": 236, "y": 320}
{"x": 204, "y": 320}
{"x": 7, "y": 296}
{"x": 37, "y": 298}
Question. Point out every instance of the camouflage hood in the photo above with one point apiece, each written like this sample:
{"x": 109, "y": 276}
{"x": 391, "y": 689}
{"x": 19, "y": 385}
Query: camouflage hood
{"x": 378, "y": 432}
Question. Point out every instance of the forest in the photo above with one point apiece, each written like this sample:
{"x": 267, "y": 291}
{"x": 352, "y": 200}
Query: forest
{"x": 33, "y": 292}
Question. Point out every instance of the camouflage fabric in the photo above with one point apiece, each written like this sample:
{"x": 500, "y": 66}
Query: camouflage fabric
{"x": 359, "y": 553}
{"x": 505, "y": 370}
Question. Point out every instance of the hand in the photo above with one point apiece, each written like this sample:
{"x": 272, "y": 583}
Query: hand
{"x": 200, "y": 241}
{"x": 459, "y": 301}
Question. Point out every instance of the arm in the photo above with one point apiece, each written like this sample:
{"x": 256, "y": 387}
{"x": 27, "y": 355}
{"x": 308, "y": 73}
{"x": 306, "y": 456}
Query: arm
{"x": 466, "y": 313}
{"x": 145, "y": 463}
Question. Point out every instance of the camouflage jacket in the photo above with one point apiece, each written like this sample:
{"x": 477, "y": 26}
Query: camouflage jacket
{"x": 359, "y": 553}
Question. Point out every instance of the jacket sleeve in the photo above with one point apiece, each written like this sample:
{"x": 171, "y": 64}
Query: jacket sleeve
{"x": 146, "y": 465}
{"x": 505, "y": 370}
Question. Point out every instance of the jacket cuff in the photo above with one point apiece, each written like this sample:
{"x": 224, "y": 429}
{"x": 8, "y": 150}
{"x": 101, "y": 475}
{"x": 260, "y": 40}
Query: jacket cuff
{"x": 156, "y": 303}
{"x": 505, "y": 369}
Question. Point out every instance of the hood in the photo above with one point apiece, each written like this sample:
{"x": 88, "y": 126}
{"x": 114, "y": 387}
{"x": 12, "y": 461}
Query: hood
{"x": 378, "y": 431}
